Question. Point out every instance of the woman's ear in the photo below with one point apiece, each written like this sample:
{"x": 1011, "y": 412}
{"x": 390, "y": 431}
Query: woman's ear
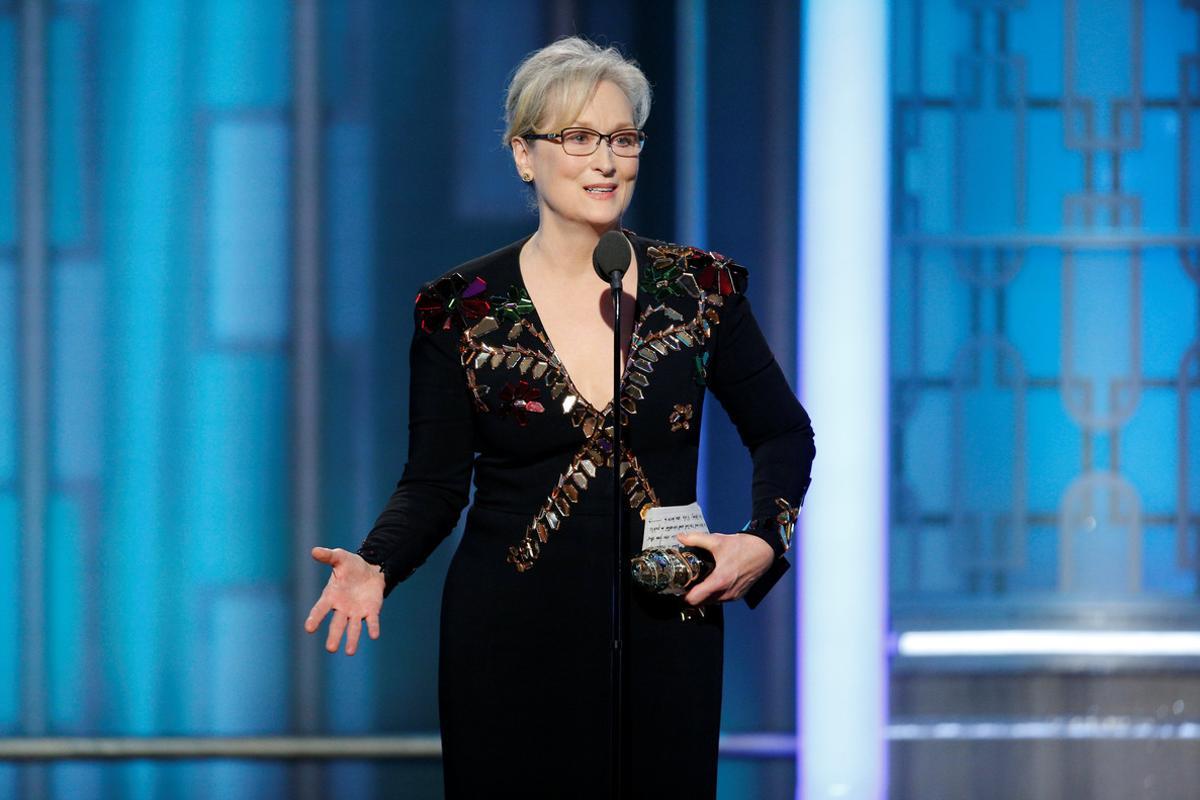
{"x": 520, "y": 151}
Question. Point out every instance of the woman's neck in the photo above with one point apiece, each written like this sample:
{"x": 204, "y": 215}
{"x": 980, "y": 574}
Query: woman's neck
{"x": 567, "y": 247}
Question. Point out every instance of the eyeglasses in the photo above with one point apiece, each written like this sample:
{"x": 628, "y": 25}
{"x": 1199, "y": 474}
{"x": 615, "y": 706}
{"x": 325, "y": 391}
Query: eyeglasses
{"x": 627, "y": 142}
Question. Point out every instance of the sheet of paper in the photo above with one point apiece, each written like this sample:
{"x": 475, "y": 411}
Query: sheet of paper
{"x": 664, "y": 522}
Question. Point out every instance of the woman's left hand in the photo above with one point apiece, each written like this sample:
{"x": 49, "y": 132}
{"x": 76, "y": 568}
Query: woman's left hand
{"x": 741, "y": 559}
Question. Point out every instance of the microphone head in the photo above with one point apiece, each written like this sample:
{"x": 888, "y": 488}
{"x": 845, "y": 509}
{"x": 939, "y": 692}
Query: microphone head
{"x": 611, "y": 255}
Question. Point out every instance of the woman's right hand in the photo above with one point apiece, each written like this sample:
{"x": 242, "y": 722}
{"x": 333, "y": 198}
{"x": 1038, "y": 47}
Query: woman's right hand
{"x": 354, "y": 593}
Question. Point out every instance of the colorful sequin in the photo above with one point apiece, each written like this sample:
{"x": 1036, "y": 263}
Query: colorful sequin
{"x": 782, "y": 523}
{"x": 680, "y": 418}
{"x": 519, "y": 399}
{"x": 677, "y": 269}
{"x": 512, "y": 306}
{"x": 719, "y": 275}
{"x": 451, "y": 300}
{"x": 700, "y": 373}
{"x": 661, "y": 276}
{"x": 638, "y": 492}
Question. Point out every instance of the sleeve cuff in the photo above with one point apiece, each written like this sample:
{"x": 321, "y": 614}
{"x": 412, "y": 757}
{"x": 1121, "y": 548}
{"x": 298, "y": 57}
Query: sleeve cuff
{"x": 391, "y": 574}
{"x": 776, "y": 530}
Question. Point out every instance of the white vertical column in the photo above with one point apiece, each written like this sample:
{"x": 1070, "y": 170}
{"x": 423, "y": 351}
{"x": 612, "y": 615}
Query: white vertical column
{"x": 844, "y": 295}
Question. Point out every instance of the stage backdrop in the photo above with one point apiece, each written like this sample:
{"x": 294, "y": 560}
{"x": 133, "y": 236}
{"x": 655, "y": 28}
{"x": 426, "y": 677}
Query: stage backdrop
{"x": 1046, "y": 384}
{"x": 214, "y": 217}
{"x": 1045, "y": 277}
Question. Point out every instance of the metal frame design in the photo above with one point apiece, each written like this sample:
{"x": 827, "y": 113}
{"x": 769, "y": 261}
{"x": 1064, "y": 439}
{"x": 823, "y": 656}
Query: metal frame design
{"x": 961, "y": 540}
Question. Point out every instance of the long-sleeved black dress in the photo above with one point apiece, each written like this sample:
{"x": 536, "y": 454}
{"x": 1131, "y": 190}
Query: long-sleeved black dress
{"x": 525, "y": 625}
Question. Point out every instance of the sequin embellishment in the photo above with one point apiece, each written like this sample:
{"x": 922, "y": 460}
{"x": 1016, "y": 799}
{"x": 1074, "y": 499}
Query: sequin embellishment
{"x": 451, "y": 300}
{"x": 489, "y": 341}
{"x": 512, "y": 306}
{"x": 519, "y": 399}
{"x": 680, "y": 418}
{"x": 678, "y": 269}
{"x": 721, "y": 276}
{"x": 782, "y": 523}
{"x": 596, "y": 452}
{"x": 701, "y": 374}
{"x": 638, "y": 493}
{"x": 661, "y": 276}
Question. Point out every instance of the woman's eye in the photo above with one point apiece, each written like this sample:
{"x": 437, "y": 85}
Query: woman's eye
{"x": 578, "y": 138}
{"x": 626, "y": 140}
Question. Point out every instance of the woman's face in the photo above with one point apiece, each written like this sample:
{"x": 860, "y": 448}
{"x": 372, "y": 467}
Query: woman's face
{"x": 594, "y": 189}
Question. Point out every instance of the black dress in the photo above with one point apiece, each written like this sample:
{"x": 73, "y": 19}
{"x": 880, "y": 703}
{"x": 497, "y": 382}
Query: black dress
{"x": 525, "y": 625}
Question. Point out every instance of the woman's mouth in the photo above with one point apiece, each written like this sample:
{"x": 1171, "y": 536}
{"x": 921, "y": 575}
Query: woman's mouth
{"x": 601, "y": 189}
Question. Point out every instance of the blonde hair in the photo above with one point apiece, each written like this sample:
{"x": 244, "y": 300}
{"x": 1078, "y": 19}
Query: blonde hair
{"x": 561, "y": 77}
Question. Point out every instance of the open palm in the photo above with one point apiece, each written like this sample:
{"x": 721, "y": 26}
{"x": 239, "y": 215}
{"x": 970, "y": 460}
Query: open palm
{"x": 353, "y": 593}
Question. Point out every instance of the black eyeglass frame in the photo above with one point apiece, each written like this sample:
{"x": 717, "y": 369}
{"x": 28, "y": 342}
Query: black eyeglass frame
{"x": 561, "y": 139}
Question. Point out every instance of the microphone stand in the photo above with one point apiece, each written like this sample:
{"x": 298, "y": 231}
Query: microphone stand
{"x": 620, "y": 761}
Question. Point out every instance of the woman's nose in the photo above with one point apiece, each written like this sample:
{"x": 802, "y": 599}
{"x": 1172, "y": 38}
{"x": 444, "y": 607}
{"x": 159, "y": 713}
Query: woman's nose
{"x": 604, "y": 160}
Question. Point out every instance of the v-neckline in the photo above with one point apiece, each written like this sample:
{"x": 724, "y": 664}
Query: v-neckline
{"x": 638, "y": 305}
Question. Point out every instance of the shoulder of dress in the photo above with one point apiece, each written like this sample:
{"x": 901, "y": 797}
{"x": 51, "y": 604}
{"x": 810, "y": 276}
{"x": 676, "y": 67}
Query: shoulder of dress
{"x": 698, "y": 272}
{"x": 452, "y": 301}
{"x": 459, "y": 297}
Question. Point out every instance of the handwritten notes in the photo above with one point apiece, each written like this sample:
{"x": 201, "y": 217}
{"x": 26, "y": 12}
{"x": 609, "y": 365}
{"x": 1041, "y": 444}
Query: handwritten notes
{"x": 664, "y": 522}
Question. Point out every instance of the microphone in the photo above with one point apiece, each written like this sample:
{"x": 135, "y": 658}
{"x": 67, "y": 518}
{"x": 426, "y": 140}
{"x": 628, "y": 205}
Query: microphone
{"x": 671, "y": 570}
{"x": 611, "y": 258}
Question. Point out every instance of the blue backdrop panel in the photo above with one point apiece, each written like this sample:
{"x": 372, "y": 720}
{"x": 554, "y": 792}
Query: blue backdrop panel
{"x": 9, "y": 384}
{"x": 245, "y": 53}
{"x": 68, "y": 111}
{"x": 170, "y": 165}
{"x": 1044, "y": 245}
{"x": 9, "y": 187}
{"x": 10, "y": 669}
{"x": 247, "y": 233}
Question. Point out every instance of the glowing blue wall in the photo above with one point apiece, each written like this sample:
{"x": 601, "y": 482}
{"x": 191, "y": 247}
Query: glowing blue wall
{"x": 164, "y": 519}
{"x": 1045, "y": 302}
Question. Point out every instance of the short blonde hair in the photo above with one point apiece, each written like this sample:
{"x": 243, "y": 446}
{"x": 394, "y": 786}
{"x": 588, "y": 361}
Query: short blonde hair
{"x": 561, "y": 77}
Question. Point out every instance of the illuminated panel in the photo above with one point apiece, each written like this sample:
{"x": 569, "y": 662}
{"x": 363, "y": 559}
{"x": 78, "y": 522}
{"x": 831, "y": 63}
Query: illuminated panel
{"x": 1048, "y": 643}
{"x": 844, "y": 280}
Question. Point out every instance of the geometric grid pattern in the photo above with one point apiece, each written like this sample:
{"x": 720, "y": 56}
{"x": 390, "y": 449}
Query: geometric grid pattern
{"x": 1045, "y": 307}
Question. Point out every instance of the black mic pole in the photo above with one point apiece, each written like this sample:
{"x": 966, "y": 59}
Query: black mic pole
{"x": 620, "y": 764}
{"x": 611, "y": 260}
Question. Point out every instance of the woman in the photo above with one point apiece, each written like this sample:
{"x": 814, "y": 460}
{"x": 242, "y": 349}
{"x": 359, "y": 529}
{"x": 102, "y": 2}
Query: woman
{"x": 511, "y": 378}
